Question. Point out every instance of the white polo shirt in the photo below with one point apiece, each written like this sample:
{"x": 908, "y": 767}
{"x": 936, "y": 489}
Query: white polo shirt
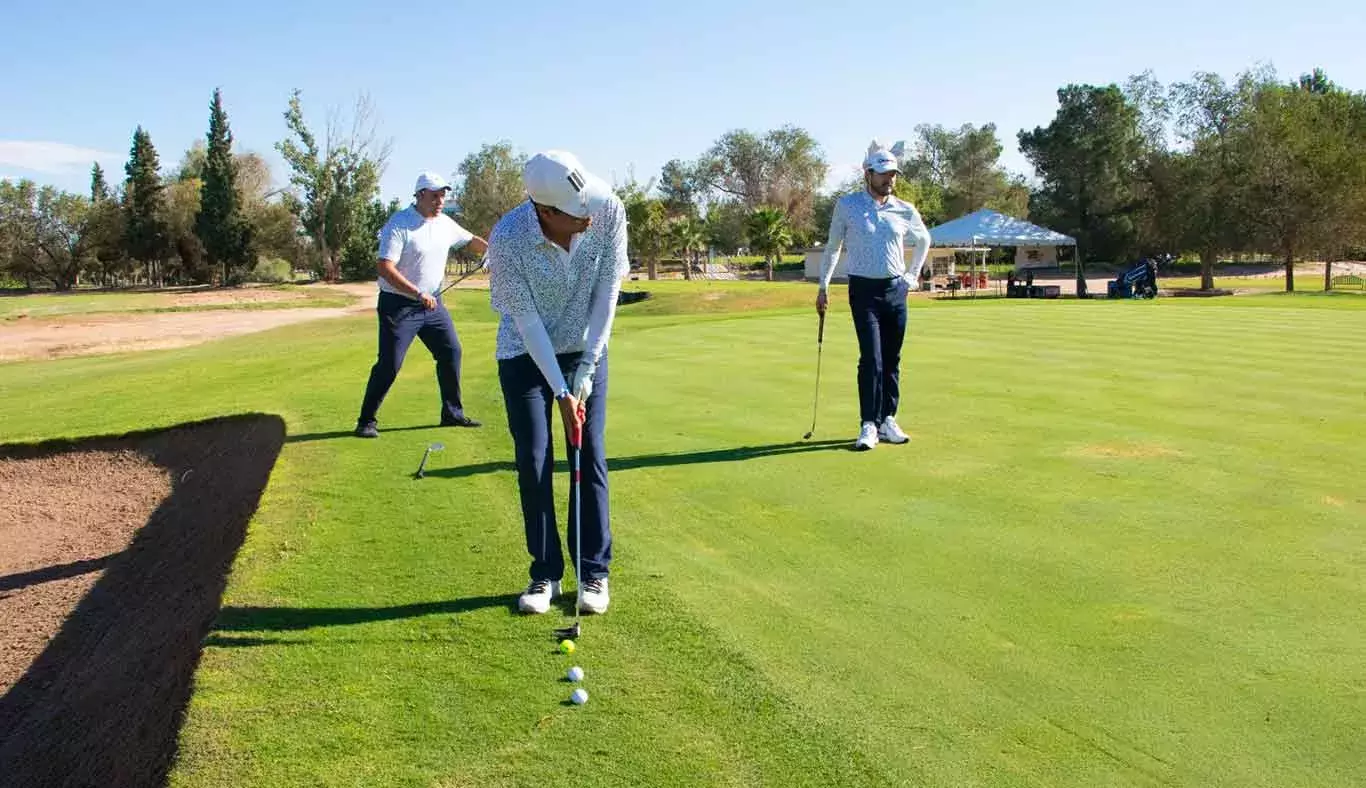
{"x": 419, "y": 247}
{"x": 875, "y": 234}
{"x": 530, "y": 274}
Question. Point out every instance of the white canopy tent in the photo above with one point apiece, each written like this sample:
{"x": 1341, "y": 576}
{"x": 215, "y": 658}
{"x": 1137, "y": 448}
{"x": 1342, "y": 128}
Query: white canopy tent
{"x": 1035, "y": 246}
{"x": 991, "y": 228}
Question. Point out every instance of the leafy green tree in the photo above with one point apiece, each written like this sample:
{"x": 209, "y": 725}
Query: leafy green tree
{"x": 784, "y": 169}
{"x": 45, "y": 233}
{"x": 332, "y": 181}
{"x": 681, "y": 188}
{"x": 726, "y": 226}
{"x": 362, "y": 251}
{"x": 488, "y": 184}
{"x": 1087, "y": 160}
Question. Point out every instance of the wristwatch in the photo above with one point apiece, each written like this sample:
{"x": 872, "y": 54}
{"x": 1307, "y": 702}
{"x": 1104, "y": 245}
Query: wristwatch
{"x": 562, "y": 393}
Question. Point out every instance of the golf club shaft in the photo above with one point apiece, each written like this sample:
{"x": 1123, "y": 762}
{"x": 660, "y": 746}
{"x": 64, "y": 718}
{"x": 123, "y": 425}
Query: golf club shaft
{"x": 820, "y": 345}
{"x": 482, "y": 264}
{"x": 578, "y": 532}
{"x": 422, "y": 465}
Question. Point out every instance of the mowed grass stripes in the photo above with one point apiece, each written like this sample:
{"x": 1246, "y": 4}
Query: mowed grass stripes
{"x": 1124, "y": 548}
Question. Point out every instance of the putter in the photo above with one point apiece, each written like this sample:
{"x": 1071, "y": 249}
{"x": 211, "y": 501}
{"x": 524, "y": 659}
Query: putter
{"x": 482, "y": 265}
{"x": 820, "y": 341}
{"x": 421, "y": 467}
{"x": 576, "y": 453}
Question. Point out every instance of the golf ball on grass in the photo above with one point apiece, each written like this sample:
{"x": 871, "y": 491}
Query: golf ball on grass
{"x": 566, "y": 646}
{"x": 576, "y": 673}
{"x": 580, "y": 696}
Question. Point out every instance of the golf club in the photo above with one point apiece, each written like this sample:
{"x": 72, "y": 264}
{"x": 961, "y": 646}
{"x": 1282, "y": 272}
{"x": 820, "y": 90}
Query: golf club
{"x": 820, "y": 341}
{"x": 431, "y": 447}
{"x": 482, "y": 265}
{"x": 576, "y": 452}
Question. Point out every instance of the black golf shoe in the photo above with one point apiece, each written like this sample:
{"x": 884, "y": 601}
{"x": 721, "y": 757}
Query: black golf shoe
{"x": 462, "y": 421}
{"x": 367, "y": 429}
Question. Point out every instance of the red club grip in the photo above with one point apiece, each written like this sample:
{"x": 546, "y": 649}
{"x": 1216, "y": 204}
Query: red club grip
{"x": 576, "y": 436}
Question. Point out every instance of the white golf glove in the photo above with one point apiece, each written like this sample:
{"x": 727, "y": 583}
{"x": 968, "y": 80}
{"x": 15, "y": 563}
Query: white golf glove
{"x": 582, "y": 386}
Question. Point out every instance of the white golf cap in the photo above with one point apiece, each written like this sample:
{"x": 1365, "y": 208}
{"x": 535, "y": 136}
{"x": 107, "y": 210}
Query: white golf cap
{"x": 881, "y": 161}
{"x": 556, "y": 178}
{"x": 430, "y": 181}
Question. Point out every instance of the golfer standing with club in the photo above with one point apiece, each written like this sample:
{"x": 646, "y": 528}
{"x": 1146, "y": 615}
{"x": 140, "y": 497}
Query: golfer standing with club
{"x": 555, "y": 268}
{"x": 874, "y": 224}
{"x": 413, "y": 247}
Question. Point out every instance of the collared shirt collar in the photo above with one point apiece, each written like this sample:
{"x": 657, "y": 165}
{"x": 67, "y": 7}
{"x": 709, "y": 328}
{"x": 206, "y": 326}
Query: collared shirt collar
{"x": 539, "y": 238}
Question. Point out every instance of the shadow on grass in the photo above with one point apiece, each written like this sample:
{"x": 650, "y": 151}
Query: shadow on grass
{"x": 285, "y": 619}
{"x": 306, "y": 437}
{"x": 734, "y": 454}
{"x": 104, "y": 701}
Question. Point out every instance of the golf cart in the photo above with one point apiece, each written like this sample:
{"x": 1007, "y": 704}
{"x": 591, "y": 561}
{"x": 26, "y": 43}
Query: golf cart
{"x": 1140, "y": 281}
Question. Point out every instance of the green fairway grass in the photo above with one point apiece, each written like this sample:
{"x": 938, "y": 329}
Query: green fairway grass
{"x": 1126, "y": 547}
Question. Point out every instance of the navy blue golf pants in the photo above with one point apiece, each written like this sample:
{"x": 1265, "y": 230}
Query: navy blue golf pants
{"x": 400, "y": 320}
{"x": 879, "y": 308}
{"x": 532, "y": 410}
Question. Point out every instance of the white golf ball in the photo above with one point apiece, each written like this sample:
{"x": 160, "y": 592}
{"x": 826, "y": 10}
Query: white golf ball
{"x": 580, "y": 696}
{"x": 576, "y": 673}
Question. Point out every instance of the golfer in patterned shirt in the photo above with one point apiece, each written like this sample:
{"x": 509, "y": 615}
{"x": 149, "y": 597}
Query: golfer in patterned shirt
{"x": 875, "y": 224}
{"x": 556, "y": 263}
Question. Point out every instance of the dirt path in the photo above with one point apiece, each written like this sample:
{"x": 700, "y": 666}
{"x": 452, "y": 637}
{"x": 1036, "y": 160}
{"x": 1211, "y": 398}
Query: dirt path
{"x": 116, "y": 333}
{"x": 85, "y": 335}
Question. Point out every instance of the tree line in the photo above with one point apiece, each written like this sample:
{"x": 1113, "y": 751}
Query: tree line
{"x": 1256, "y": 166}
{"x": 1211, "y": 168}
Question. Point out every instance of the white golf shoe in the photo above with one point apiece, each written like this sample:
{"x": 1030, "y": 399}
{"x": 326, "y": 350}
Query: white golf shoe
{"x": 867, "y": 437}
{"x": 538, "y": 596}
{"x": 890, "y": 431}
{"x": 593, "y": 597}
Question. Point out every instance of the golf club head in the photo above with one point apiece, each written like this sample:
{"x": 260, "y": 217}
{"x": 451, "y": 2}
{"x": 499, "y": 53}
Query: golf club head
{"x": 806, "y": 437}
{"x": 569, "y": 632}
{"x": 422, "y": 466}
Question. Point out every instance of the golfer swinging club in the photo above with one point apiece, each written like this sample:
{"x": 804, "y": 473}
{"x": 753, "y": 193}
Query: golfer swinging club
{"x": 555, "y": 268}
{"x": 874, "y": 225}
{"x": 413, "y": 246}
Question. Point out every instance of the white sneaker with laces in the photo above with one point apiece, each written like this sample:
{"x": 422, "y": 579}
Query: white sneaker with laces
{"x": 867, "y": 437}
{"x": 891, "y": 432}
{"x": 538, "y": 596}
{"x": 593, "y": 597}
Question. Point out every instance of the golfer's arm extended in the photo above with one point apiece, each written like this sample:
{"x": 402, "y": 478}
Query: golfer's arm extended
{"x": 600, "y": 321}
{"x": 391, "y": 274}
{"x": 834, "y": 242}
{"x": 537, "y": 342}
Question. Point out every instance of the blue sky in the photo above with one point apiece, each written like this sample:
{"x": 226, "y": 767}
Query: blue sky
{"x": 624, "y": 85}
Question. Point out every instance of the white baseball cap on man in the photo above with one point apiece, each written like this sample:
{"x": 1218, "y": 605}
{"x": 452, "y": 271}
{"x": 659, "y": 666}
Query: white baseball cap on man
{"x": 556, "y": 178}
{"x": 430, "y": 181}
{"x": 879, "y": 159}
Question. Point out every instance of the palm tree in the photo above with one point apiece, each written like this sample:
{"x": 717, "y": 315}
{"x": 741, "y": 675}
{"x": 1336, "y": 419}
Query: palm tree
{"x": 687, "y": 236}
{"x": 769, "y": 234}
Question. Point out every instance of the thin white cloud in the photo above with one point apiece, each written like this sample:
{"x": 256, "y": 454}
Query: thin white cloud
{"x": 51, "y": 157}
